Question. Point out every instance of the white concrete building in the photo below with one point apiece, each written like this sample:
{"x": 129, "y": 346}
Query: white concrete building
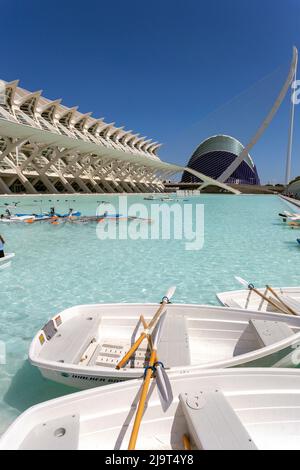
{"x": 46, "y": 147}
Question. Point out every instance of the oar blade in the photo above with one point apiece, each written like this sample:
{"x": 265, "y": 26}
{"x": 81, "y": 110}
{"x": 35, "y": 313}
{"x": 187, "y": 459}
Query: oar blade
{"x": 170, "y": 292}
{"x": 242, "y": 281}
{"x": 164, "y": 387}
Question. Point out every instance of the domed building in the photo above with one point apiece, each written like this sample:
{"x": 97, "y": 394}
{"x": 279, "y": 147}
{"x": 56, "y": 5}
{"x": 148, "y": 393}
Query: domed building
{"x": 215, "y": 155}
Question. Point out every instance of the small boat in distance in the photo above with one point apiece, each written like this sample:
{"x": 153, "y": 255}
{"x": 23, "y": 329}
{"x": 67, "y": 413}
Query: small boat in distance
{"x": 236, "y": 409}
{"x": 288, "y": 215}
{"x": 165, "y": 199}
{"x": 84, "y": 346}
{"x": 10, "y": 218}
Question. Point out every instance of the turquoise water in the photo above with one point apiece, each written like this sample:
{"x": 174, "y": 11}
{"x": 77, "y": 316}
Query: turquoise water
{"x": 59, "y": 266}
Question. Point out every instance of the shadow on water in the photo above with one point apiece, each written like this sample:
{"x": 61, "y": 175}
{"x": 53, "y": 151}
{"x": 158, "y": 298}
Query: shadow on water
{"x": 28, "y": 388}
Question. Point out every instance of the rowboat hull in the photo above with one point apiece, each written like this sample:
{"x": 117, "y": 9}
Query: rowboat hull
{"x": 261, "y": 409}
{"x": 83, "y": 380}
{"x": 86, "y": 342}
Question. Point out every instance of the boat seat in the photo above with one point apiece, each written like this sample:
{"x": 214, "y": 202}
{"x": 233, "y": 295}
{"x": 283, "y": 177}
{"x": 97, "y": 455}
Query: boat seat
{"x": 71, "y": 340}
{"x": 56, "y": 434}
{"x": 212, "y": 422}
{"x": 270, "y": 332}
{"x": 174, "y": 349}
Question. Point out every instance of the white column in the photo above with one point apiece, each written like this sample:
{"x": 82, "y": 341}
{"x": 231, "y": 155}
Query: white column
{"x": 291, "y": 137}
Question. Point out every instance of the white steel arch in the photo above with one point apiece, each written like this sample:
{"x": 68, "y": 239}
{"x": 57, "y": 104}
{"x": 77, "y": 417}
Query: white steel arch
{"x": 267, "y": 121}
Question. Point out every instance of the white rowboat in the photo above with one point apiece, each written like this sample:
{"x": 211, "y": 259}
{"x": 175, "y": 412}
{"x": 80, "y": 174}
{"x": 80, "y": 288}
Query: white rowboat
{"x": 82, "y": 346}
{"x": 248, "y": 299}
{"x": 233, "y": 409}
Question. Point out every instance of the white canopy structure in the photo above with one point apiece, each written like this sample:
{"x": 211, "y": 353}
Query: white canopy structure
{"x": 47, "y": 147}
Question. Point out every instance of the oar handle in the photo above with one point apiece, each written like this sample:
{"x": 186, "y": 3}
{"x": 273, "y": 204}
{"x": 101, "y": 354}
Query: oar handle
{"x": 251, "y": 287}
{"x": 164, "y": 302}
{"x": 145, "y": 325}
{"x": 186, "y": 442}
{"x": 131, "y": 351}
{"x": 281, "y": 301}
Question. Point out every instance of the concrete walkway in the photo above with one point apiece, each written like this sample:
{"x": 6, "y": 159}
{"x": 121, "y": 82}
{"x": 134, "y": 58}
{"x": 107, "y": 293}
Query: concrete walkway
{"x": 291, "y": 200}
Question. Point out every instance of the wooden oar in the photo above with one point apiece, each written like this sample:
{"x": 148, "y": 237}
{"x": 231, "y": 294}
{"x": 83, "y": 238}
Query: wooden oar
{"x": 165, "y": 300}
{"x": 146, "y": 384}
{"x": 162, "y": 380}
{"x": 292, "y": 312}
{"x": 149, "y": 338}
{"x": 186, "y": 442}
{"x": 267, "y": 299}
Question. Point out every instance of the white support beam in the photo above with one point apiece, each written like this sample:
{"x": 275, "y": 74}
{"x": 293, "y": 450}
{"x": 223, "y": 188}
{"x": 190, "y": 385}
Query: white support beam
{"x": 3, "y": 187}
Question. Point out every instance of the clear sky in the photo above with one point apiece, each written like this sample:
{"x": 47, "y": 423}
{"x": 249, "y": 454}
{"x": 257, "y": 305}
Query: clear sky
{"x": 157, "y": 67}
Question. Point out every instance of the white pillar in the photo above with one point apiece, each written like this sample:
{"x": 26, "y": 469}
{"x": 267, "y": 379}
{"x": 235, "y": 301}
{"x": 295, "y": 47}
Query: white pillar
{"x": 290, "y": 142}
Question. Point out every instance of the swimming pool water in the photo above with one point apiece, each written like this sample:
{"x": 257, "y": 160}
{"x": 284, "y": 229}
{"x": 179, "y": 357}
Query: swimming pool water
{"x": 60, "y": 266}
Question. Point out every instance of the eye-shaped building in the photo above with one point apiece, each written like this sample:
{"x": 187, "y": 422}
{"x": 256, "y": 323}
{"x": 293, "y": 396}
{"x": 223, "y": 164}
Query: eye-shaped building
{"x": 215, "y": 155}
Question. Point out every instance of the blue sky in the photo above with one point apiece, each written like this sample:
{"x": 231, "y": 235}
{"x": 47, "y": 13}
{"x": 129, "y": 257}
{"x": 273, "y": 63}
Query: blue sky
{"x": 156, "y": 67}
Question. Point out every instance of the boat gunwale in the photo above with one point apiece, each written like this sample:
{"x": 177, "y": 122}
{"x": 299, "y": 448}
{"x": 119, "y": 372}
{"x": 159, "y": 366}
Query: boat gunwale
{"x": 130, "y": 373}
